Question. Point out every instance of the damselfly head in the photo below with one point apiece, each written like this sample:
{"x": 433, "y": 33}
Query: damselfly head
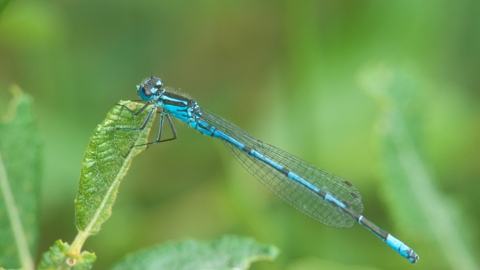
{"x": 150, "y": 87}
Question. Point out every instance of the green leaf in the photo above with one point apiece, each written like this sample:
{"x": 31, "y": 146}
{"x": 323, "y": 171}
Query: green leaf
{"x": 20, "y": 171}
{"x": 106, "y": 162}
{"x": 58, "y": 256}
{"x": 228, "y": 252}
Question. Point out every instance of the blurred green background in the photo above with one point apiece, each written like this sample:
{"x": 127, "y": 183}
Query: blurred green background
{"x": 382, "y": 93}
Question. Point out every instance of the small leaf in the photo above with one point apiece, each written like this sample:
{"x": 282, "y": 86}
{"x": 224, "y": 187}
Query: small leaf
{"x": 20, "y": 171}
{"x": 106, "y": 162}
{"x": 57, "y": 256}
{"x": 228, "y": 252}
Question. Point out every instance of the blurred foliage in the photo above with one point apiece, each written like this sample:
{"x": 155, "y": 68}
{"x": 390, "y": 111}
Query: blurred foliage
{"x": 3, "y": 5}
{"x": 20, "y": 181}
{"x": 227, "y": 252}
{"x": 407, "y": 178}
{"x": 286, "y": 72}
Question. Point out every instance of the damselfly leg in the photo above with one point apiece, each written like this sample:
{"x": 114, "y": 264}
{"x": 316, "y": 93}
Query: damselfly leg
{"x": 163, "y": 114}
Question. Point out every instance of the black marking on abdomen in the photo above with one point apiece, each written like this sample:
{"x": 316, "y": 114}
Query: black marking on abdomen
{"x": 285, "y": 171}
{"x": 354, "y": 195}
{"x": 213, "y": 131}
{"x": 347, "y": 204}
{"x": 322, "y": 194}
{"x": 247, "y": 149}
{"x": 207, "y": 127}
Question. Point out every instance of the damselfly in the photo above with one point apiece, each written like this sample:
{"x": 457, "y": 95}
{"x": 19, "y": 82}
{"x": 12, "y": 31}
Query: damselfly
{"x": 313, "y": 191}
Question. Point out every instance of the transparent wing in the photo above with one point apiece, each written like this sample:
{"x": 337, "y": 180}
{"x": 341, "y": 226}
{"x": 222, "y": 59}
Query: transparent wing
{"x": 297, "y": 195}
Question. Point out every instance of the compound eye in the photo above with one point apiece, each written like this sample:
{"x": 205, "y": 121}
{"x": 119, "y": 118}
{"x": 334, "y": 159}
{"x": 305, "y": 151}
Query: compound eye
{"x": 144, "y": 92}
{"x": 150, "y": 89}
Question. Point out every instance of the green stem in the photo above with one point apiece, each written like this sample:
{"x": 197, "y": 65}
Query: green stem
{"x": 74, "y": 252}
{"x": 76, "y": 247}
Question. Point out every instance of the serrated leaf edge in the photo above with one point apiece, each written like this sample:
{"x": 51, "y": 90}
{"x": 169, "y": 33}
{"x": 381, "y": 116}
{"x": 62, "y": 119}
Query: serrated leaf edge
{"x": 82, "y": 235}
